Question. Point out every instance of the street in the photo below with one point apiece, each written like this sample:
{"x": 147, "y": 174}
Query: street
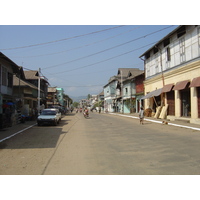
{"x": 103, "y": 144}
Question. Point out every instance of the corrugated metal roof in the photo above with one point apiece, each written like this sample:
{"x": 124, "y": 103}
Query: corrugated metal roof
{"x": 154, "y": 93}
{"x": 31, "y": 74}
{"x": 195, "y": 82}
{"x": 181, "y": 85}
{"x": 22, "y": 83}
{"x": 15, "y": 67}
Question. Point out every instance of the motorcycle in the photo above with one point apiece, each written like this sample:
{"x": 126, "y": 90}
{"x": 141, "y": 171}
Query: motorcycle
{"x": 86, "y": 114}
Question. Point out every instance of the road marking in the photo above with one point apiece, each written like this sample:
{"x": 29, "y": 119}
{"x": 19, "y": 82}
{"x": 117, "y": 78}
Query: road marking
{"x": 159, "y": 122}
{"x": 16, "y": 133}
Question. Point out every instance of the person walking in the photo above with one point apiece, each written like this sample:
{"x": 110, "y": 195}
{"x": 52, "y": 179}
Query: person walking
{"x": 141, "y": 115}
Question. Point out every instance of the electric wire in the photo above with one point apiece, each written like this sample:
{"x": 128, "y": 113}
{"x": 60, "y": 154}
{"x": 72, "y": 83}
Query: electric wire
{"x": 64, "y": 39}
{"x": 105, "y": 59}
{"x": 86, "y": 45}
{"x": 108, "y": 49}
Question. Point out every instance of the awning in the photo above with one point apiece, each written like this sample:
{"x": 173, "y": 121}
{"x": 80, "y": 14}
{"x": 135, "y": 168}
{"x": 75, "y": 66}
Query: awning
{"x": 181, "y": 85}
{"x": 154, "y": 93}
{"x": 167, "y": 88}
{"x": 195, "y": 82}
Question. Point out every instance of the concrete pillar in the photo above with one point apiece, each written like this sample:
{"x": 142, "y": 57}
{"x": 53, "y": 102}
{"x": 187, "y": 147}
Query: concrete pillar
{"x": 177, "y": 103}
{"x": 194, "y": 106}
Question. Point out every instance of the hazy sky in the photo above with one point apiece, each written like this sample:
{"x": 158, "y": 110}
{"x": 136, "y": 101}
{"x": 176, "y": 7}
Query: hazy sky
{"x": 79, "y": 58}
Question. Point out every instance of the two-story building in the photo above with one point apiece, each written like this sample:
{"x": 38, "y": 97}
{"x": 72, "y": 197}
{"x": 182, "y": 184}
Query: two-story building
{"x": 120, "y": 92}
{"x": 111, "y": 92}
{"x": 129, "y": 96}
{"x": 25, "y": 95}
{"x": 34, "y": 77}
{"x": 172, "y": 74}
{"x": 7, "y": 69}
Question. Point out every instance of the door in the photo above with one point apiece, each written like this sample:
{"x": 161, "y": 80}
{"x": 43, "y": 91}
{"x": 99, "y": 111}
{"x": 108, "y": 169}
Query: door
{"x": 198, "y": 100}
{"x": 171, "y": 103}
{"x": 185, "y": 103}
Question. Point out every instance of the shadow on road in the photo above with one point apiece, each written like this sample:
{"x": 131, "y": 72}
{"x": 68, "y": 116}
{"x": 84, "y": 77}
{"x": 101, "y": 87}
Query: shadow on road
{"x": 45, "y": 136}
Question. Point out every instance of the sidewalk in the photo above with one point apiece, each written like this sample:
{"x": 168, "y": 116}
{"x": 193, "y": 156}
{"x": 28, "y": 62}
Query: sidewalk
{"x": 180, "y": 124}
{"x": 9, "y": 132}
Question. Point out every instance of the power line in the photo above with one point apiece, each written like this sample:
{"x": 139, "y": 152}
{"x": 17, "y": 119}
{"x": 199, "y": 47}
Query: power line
{"x": 106, "y": 59}
{"x": 86, "y": 45}
{"x": 141, "y": 37}
{"x": 64, "y": 39}
{"x": 83, "y": 85}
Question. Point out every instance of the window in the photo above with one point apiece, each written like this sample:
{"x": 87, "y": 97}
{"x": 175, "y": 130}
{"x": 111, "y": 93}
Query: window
{"x": 126, "y": 90}
{"x": 10, "y": 80}
{"x": 4, "y": 76}
{"x": 199, "y": 37}
{"x": 182, "y": 49}
{"x": 147, "y": 55}
{"x": 168, "y": 56}
{"x": 181, "y": 31}
{"x": 155, "y": 50}
{"x": 166, "y": 42}
{"x": 156, "y": 67}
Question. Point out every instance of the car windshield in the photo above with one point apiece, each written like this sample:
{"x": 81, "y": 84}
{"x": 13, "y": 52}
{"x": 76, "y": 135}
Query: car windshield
{"x": 48, "y": 112}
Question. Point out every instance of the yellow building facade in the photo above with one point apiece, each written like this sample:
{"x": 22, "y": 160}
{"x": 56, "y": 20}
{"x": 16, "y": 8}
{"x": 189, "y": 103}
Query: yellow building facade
{"x": 173, "y": 75}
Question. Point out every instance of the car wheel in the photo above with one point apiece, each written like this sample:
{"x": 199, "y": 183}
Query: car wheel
{"x": 39, "y": 124}
{"x": 55, "y": 123}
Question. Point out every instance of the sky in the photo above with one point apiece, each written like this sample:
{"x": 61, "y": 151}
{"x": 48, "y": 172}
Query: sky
{"x": 79, "y": 58}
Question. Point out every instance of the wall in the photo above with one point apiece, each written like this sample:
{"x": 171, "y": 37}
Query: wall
{"x": 188, "y": 43}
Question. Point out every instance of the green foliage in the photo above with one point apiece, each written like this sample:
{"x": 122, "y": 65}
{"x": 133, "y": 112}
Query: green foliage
{"x": 89, "y": 96}
{"x": 98, "y": 104}
{"x": 75, "y": 104}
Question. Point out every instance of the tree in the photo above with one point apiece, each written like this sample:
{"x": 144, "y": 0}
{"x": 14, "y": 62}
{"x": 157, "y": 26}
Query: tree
{"x": 75, "y": 104}
{"x": 88, "y": 96}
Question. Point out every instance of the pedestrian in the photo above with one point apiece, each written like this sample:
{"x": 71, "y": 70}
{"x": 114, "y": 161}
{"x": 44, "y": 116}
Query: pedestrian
{"x": 141, "y": 115}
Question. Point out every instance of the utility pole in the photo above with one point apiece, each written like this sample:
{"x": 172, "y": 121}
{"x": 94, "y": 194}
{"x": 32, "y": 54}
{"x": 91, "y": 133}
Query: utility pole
{"x": 122, "y": 93}
{"x": 163, "y": 79}
{"x": 39, "y": 91}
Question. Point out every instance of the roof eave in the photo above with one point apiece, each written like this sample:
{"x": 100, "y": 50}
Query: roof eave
{"x": 169, "y": 34}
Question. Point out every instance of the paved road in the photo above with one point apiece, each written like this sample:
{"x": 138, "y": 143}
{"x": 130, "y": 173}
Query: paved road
{"x": 102, "y": 144}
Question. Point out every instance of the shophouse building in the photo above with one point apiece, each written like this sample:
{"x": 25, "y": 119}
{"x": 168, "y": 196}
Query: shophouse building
{"x": 172, "y": 74}
{"x": 7, "y": 69}
{"x": 120, "y": 92}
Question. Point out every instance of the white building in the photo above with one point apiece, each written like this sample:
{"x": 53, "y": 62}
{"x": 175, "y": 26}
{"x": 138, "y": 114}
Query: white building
{"x": 172, "y": 74}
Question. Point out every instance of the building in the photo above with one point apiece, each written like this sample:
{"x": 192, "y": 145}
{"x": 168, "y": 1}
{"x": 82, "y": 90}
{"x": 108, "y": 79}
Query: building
{"x": 172, "y": 74}
{"x": 25, "y": 95}
{"x": 139, "y": 87}
{"x": 111, "y": 92}
{"x": 129, "y": 87}
{"x": 52, "y": 97}
{"x": 60, "y": 96}
{"x": 36, "y": 79}
{"x": 121, "y": 90}
{"x": 7, "y": 69}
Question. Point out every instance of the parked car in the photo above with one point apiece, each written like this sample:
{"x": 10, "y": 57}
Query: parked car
{"x": 49, "y": 116}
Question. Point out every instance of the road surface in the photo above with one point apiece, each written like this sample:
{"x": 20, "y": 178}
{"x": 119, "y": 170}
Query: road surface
{"x": 102, "y": 145}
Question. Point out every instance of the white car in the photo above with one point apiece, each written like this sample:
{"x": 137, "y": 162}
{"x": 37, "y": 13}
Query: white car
{"x": 49, "y": 116}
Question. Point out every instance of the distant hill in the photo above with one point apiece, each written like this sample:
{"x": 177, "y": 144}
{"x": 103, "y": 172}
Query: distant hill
{"x": 77, "y": 99}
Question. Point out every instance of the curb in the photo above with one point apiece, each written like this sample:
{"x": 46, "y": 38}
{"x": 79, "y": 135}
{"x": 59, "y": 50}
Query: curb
{"x": 10, "y": 136}
{"x": 159, "y": 122}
